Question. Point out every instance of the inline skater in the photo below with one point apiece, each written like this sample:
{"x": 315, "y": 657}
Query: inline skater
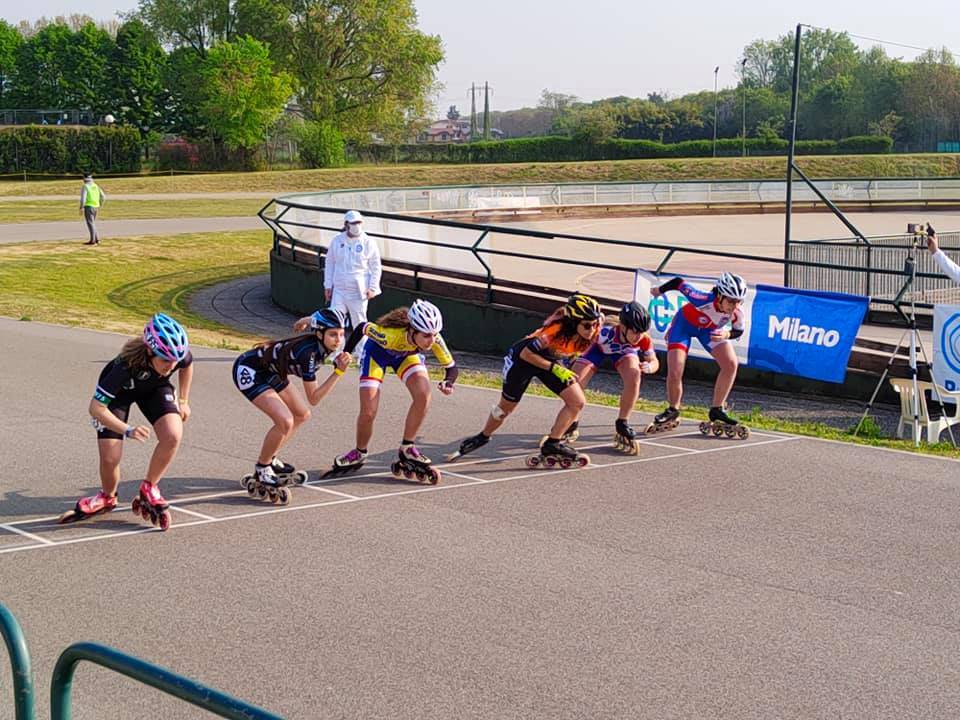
{"x": 140, "y": 374}
{"x": 567, "y": 333}
{"x": 626, "y": 346}
{"x": 396, "y": 342}
{"x": 262, "y": 375}
{"x": 705, "y": 316}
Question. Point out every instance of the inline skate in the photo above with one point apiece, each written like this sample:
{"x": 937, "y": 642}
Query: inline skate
{"x": 474, "y": 442}
{"x": 150, "y": 505}
{"x": 721, "y": 424}
{"x": 554, "y": 453}
{"x": 413, "y": 464}
{"x": 667, "y": 420}
{"x": 266, "y": 484}
{"x": 625, "y": 439}
{"x": 88, "y": 507}
{"x": 347, "y": 463}
{"x": 285, "y": 473}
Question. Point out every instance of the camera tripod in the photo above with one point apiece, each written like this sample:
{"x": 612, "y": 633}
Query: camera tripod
{"x": 910, "y": 271}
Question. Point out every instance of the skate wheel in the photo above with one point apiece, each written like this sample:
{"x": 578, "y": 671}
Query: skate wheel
{"x": 283, "y": 495}
{"x": 145, "y": 513}
{"x": 634, "y": 448}
{"x": 566, "y": 463}
{"x": 135, "y": 506}
{"x": 154, "y": 519}
{"x": 717, "y": 430}
{"x": 434, "y": 476}
{"x": 395, "y": 470}
{"x": 743, "y": 432}
{"x": 729, "y": 432}
{"x": 262, "y": 492}
{"x": 705, "y": 428}
{"x": 300, "y": 477}
{"x": 408, "y": 474}
{"x": 246, "y": 480}
{"x": 274, "y": 496}
{"x": 252, "y": 489}
{"x": 583, "y": 460}
{"x": 532, "y": 461}
{"x": 550, "y": 461}
{"x": 164, "y": 520}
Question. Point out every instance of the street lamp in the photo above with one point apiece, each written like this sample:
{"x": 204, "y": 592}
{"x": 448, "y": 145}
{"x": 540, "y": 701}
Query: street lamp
{"x": 715, "y": 71}
{"x": 743, "y": 89}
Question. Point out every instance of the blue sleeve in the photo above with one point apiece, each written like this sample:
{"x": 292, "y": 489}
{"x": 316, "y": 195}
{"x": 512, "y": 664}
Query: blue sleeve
{"x": 306, "y": 359}
{"x": 693, "y": 294}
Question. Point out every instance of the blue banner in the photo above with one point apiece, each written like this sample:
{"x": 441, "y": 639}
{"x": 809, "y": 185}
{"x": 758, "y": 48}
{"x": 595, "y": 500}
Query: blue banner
{"x": 804, "y": 332}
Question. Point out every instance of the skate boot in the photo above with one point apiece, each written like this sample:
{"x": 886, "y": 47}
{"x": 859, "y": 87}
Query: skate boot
{"x": 346, "y": 463}
{"x": 474, "y": 442}
{"x": 722, "y": 424}
{"x": 414, "y": 464}
{"x": 554, "y": 453}
{"x": 625, "y": 439}
{"x": 151, "y": 506}
{"x": 569, "y": 435}
{"x": 267, "y": 485}
{"x": 287, "y": 473}
{"x": 667, "y": 420}
{"x": 88, "y": 507}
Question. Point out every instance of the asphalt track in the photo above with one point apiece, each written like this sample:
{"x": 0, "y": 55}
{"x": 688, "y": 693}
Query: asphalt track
{"x": 779, "y": 577}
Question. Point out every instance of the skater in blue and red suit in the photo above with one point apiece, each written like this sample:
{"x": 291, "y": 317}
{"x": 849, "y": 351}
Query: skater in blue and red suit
{"x": 705, "y": 316}
{"x": 140, "y": 374}
{"x": 628, "y": 348}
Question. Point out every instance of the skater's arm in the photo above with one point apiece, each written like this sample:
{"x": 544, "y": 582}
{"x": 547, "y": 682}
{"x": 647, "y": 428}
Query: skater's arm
{"x": 102, "y": 415}
{"x": 358, "y": 332}
{"x": 673, "y": 284}
{"x": 184, "y": 381}
{"x": 563, "y": 373}
{"x": 316, "y": 392}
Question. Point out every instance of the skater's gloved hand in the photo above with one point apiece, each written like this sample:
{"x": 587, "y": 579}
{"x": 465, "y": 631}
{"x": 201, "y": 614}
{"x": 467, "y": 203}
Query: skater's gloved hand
{"x": 445, "y": 387}
{"x": 140, "y": 433}
{"x": 342, "y": 361}
{"x": 563, "y": 374}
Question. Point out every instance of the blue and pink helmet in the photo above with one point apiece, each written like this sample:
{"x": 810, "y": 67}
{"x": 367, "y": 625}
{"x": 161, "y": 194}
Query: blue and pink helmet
{"x": 166, "y": 337}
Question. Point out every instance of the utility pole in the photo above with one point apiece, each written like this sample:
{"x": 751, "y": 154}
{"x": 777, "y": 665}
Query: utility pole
{"x": 743, "y": 89}
{"x": 715, "y": 71}
{"x": 486, "y": 110}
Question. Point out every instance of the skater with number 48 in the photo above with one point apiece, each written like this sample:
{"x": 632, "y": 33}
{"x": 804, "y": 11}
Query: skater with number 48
{"x": 140, "y": 374}
{"x": 705, "y": 317}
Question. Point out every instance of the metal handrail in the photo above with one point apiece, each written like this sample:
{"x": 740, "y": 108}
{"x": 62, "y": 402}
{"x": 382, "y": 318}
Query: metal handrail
{"x": 23, "y": 695}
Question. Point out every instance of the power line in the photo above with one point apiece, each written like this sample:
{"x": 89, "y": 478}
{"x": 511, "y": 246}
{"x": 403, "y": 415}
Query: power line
{"x": 885, "y": 42}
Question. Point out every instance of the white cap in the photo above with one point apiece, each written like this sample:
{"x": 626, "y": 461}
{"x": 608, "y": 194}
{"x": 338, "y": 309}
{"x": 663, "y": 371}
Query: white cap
{"x": 353, "y": 216}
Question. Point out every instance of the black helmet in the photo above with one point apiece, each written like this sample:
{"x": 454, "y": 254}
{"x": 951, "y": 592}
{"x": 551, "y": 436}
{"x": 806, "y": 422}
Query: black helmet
{"x": 582, "y": 307}
{"x": 634, "y": 316}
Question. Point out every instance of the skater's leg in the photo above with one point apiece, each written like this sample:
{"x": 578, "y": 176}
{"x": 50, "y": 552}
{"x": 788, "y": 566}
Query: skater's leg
{"x": 169, "y": 430}
{"x": 727, "y": 361}
{"x": 629, "y": 369}
{"x": 369, "y": 405}
{"x": 585, "y": 372}
{"x": 284, "y": 423}
{"x": 418, "y": 384}
{"x": 573, "y": 402}
{"x": 676, "y": 364}
{"x": 110, "y": 451}
{"x": 498, "y": 416}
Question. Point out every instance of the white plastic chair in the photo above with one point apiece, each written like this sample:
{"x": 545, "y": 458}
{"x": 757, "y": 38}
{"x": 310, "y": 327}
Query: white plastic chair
{"x": 933, "y": 426}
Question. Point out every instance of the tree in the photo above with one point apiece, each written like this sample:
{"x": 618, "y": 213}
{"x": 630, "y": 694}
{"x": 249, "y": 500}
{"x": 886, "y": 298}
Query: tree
{"x": 135, "y": 73}
{"x": 182, "y": 93}
{"x": 10, "y": 42}
{"x": 591, "y": 123}
{"x": 356, "y": 63}
{"x": 196, "y": 24}
{"x": 759, "y": 70}
{"x": 242, "y": 96}
{"x": 39, "y": 74}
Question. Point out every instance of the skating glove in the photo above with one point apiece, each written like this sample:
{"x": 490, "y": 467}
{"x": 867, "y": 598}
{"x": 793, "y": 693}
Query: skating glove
{"x": 565, "y": 375}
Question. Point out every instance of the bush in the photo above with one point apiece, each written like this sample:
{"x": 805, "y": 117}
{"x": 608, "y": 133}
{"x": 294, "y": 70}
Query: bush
{"x": 555, "y": 149}
{"x": 51, "y": 149}
{"x": 321, "y": 145}
{"x": 178, "y": 155}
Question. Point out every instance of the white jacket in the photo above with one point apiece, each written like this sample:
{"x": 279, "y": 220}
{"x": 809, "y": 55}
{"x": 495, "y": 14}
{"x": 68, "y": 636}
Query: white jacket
{"x": 949, "y": 267}
{"x": 352, "y": 266}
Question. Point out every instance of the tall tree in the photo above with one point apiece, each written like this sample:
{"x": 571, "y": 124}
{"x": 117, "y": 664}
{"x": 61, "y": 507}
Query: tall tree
{"x": 135, "y": 73}
{"x": 10, "y": 42}
{"x": 196, "y": 24}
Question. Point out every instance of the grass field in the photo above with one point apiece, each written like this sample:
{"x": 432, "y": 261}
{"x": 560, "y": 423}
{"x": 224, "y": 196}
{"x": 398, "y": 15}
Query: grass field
{"x": 26, "y": 211}
{"x": 874, "y": 166}
{"x": 116, "y": 286}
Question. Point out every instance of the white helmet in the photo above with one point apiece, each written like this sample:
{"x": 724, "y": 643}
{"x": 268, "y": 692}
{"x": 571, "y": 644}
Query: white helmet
{"x": 732, "y": 286}
{"x": 352, "y": 216}
{"x": 425, "y": 317}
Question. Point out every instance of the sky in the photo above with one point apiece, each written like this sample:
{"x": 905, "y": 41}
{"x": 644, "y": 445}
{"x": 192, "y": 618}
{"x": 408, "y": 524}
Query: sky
{"x": 604, "y": 48}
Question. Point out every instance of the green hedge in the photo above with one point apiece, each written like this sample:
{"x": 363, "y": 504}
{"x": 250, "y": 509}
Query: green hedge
{"x": 43, "y": 149}
{"x": 552, "y": 149}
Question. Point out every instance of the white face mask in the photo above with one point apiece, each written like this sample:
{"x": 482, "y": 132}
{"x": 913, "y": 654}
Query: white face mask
{"x": 353, "y": 230}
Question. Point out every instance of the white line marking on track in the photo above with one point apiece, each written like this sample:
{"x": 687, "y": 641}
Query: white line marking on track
{"x": 35, "y": 538}
{"x": 464, "y": 477}
{"x": 191, "y": 512}
{"x": 379, "y": 496}
{"x": 332, "y": 492}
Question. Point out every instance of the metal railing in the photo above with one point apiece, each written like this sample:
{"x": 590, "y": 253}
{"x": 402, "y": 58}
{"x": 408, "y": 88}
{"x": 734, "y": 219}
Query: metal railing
{"x": 52, "y": 116}
{"x": 61, "y": 685}
{"x": 530, "y": 197}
